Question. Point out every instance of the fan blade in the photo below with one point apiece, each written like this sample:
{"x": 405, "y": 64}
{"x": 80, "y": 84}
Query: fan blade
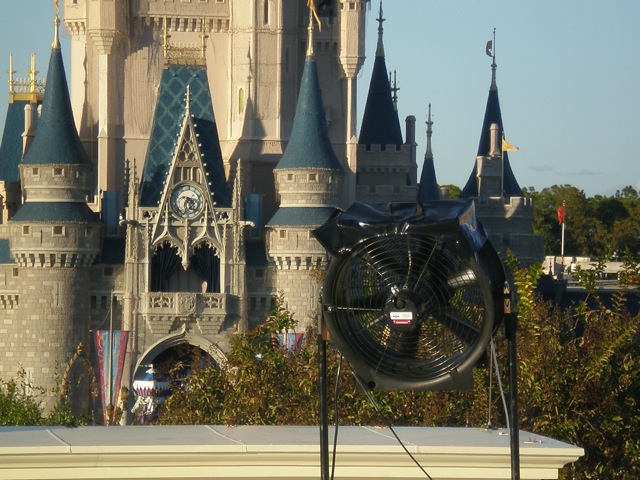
{"x": 463, "y": 278}
{"x": 404, "y": 344}
{"x": 459, "y": 326}
{"x": 369, "y": 300}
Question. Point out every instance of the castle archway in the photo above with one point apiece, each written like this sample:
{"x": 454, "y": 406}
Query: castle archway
{"x": 176, "y": 346}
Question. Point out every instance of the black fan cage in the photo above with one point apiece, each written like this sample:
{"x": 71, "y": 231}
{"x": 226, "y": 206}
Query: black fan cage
{"x": 409, "y": 311}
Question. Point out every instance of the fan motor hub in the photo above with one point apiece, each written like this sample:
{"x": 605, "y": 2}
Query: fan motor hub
{"x": 401, "y": 313}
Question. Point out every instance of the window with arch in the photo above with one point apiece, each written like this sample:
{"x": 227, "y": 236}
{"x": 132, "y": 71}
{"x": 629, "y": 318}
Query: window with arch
{"x": 265, "y": 12}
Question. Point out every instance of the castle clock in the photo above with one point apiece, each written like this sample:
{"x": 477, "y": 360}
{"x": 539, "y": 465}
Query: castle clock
{"x": 187, "y": 201}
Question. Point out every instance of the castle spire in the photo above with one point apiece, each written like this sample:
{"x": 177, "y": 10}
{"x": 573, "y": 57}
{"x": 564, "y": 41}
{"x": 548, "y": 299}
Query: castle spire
{"x": 380, "y": 123}
{"x": 429, "y": 123}
{"x": 428, "y": 189}
{"x": 492, "y": 115}
{"x": 56, "y": 25}
{"x": 56, "y": 141}
{"x": 313, "y": 14}
{"x": 11, "y": 72}
{"x": 380, "y": 46}
{"x": 309, "y": 144}
{"x": 491, "y": 52}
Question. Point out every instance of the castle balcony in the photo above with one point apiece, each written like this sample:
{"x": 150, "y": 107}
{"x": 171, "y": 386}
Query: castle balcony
{"x": 181, "y": 304}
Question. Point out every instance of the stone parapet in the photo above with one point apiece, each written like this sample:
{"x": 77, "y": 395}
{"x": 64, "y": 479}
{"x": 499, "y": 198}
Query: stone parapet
{"x": 181, "y": 304}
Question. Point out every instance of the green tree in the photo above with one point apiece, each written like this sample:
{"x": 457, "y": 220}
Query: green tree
{"x": 20, "y": 404}
{"x": 580, "y": 223}
{"x": 592, "y": 225}
{"x": 17, "y": 405}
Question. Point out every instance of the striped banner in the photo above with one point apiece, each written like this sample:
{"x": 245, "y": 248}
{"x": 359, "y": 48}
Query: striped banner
{"x": 110, "y": 350}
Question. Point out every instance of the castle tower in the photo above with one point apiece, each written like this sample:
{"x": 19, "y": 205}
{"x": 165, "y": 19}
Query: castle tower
{"x": 428, "y": 188}
{"x": 492, "y": 115}
{"x": 54, "y": 238}
{"x": 500, "y": 204}
{"x": 184, "y": 264}
{"x": 386, "y": 166}
{"x": 352, "y": 55}
{"x": 308, "y": 182}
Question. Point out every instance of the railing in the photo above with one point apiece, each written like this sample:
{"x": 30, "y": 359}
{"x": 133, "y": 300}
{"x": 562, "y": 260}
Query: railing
{"x": 186, "y": 303}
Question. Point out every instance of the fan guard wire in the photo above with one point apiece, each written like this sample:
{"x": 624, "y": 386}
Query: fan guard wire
{"x": 432, "y": 279}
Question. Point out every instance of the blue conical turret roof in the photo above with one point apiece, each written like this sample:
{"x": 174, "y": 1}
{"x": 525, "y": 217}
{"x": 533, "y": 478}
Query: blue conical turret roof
{"x": 380, "y": 122}
{"x": 428, "y": 189}
{"x": 11, "y": 146}
{"x": 56, "y": 140}
{"x": 309, "y": 145}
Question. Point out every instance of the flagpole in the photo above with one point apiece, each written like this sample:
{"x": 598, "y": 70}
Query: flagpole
{"x": 110, "y": 364}
{"x": 562, "y": 238}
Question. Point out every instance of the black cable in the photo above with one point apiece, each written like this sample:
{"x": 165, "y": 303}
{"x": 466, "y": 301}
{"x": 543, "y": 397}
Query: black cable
{"x": 388, "y": 424}
{"x": 335, "y": 418}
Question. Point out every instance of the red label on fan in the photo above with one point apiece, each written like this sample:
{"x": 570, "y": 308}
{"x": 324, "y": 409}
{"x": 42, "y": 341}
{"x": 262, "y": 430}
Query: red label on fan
{"x": 401, "y": 318}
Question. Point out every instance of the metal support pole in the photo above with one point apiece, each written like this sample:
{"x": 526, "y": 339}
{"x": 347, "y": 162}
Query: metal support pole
{"x": 511, "y": 322}
{"x": 322, "y": 387}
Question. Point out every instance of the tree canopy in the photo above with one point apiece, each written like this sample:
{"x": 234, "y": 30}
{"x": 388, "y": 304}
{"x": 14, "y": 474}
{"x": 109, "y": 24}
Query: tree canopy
{"x": 593, "y": 225}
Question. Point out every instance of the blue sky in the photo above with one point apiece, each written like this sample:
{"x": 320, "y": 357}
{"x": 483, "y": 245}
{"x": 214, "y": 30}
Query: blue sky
{"x": 568, "y": 79}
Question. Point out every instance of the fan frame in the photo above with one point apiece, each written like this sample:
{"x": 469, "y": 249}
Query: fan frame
{"x": 460, "y": 374}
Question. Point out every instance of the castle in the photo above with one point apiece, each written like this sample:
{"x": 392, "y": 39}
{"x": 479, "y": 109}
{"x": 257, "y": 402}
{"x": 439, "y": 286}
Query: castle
{"x": 171, "y": 191}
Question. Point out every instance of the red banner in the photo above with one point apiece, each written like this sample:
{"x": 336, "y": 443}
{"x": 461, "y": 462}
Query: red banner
{"x": 561, "y": 214}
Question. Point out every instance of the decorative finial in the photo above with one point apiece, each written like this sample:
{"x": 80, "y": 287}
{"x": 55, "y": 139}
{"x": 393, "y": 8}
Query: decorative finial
{"x": 187, "y": 100}
{"x": 33, "y": 74}
{"x": 380, "y": 47}
{"x": 491, "y": 52}
{"x": 56, "y": 26}
{"x": 11, "y": 71}
{"x": 429, "y": 122}
{"x": 313, "y": 14}
{"x": 394, "y": 90}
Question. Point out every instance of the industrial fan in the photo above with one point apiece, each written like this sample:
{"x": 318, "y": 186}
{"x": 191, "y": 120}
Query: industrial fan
{"x": 413, "y": 294}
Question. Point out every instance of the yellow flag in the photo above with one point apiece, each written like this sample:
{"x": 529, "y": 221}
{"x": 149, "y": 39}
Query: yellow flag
{"x": 507, "y": 147}
{"x": 312, "y": 5}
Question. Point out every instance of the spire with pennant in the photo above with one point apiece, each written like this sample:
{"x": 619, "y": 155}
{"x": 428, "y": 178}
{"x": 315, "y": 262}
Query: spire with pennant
{"x": 380, "y": 123}
{"x": 56, "y": 140}
{"x": 308, "y": 154}
{"x": 492, "y": 115}
{"x": 428, "y": 188}
{"x": 309, "y": 144}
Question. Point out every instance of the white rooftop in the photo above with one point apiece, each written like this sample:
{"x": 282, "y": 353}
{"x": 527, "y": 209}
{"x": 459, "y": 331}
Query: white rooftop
{"x": 260, "y": 452}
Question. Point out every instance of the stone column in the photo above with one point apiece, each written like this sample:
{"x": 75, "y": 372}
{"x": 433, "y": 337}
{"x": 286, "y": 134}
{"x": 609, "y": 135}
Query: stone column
{"x": 104, "y": 41}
